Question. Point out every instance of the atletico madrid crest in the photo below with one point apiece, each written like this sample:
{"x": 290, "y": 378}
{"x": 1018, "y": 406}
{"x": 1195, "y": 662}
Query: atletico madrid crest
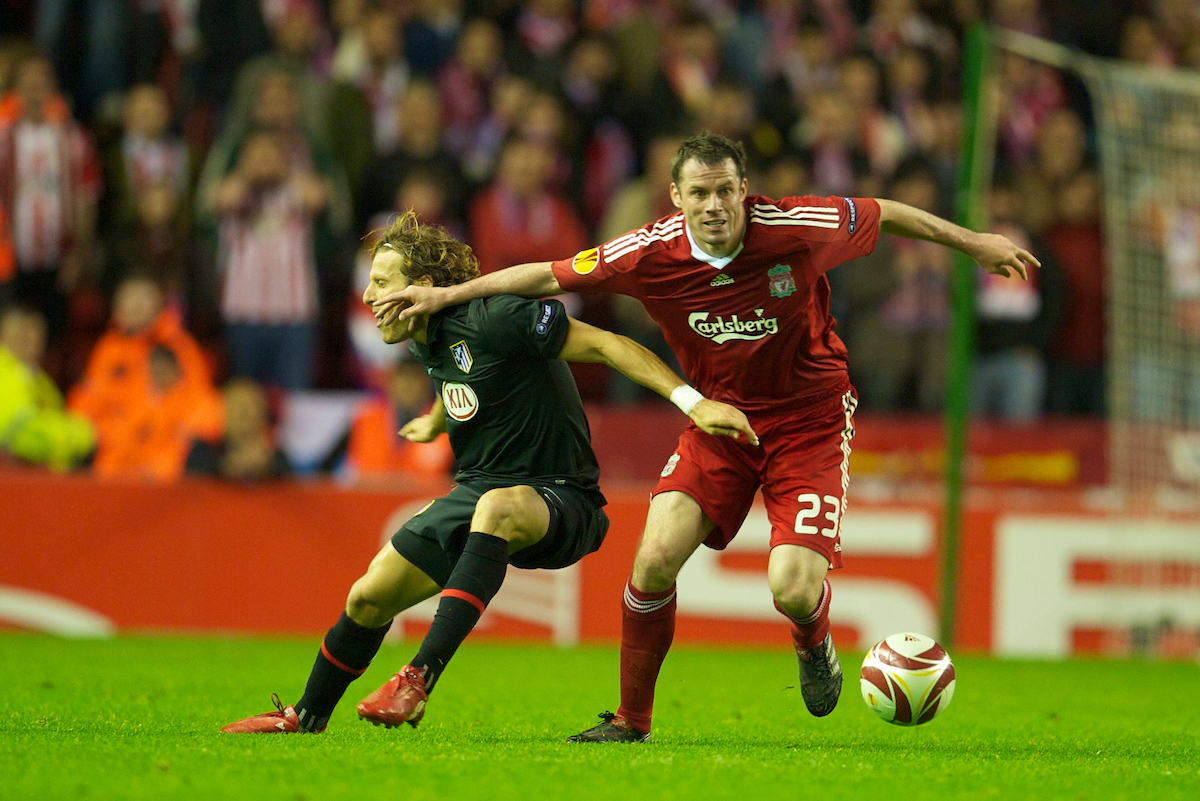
{"x": 462, "y": 356}
{"x": 781, "y": 281}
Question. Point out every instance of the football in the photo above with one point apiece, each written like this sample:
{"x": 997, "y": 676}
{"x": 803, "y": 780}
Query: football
{"x": 907, "y": 679}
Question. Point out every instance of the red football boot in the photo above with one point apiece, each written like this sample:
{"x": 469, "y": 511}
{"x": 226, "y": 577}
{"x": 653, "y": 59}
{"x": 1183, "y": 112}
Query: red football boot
{"x": 401, "y": 700}
{"x": 282, "y": 721}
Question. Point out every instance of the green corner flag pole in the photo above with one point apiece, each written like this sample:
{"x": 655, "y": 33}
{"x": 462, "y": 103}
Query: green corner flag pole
{"x": 974, "y": 162}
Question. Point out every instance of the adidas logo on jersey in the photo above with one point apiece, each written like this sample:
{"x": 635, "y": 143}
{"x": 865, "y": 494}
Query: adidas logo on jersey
{"x": 721, "y": 280}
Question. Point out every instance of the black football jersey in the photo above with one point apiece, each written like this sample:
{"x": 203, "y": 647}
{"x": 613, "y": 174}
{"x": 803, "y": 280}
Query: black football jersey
{"x": 513, "y": 411}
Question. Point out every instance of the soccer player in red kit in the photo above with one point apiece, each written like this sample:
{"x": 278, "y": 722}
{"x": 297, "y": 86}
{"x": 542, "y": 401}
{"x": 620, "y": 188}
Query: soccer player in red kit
{"x": 738, "y": 284}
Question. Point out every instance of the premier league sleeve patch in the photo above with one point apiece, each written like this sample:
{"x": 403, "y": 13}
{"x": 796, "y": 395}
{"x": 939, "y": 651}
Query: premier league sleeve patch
{"x": 462, "y": 355}
{"x": 853, "y": 214}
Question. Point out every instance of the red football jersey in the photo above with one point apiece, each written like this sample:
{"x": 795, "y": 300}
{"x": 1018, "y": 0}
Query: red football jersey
{"x": 753, "y": 329}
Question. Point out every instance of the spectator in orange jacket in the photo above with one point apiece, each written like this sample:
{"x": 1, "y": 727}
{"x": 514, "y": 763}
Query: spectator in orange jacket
{"x": 118, "y": 378}
{"x": 153, "y": 440}
{"x": 375, "y": 446}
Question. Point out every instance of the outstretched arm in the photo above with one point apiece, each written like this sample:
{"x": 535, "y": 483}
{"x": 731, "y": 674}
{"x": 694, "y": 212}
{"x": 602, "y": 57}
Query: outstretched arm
{"x": 995, "y": 253}
{"x": 587, "y": 343}
{"x": 533, "y": 280}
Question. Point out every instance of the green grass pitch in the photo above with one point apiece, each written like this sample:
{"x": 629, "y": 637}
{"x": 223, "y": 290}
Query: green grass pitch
{"x": 137, "y": 717}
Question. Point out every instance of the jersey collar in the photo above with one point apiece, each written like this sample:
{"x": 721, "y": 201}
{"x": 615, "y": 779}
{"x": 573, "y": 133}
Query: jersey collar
{"x": 423, "y": 351}
{"x": 434, "y": 325}
{"x": 432, "y": 329}
{"x": 717, "y": 263}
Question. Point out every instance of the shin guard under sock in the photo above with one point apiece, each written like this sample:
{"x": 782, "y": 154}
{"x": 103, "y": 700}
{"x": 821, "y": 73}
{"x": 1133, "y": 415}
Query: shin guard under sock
{"x": 473, "y": 583}
{"x": 647, "y": 629}
{"x": 346, "y": 653}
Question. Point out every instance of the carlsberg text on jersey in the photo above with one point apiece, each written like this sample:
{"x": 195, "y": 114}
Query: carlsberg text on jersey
{"x": 722, "y": 330}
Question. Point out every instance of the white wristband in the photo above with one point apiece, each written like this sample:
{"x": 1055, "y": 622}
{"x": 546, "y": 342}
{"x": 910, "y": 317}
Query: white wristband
{"x": 686, "y": 398}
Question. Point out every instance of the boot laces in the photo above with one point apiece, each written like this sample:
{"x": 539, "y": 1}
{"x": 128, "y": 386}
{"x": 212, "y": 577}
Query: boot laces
{"x": 411, "y": 677}
{"x": 818, "y": 662}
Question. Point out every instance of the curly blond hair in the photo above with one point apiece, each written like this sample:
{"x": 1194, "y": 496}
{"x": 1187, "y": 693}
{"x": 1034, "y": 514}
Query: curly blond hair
{"x": 428, "y": 251}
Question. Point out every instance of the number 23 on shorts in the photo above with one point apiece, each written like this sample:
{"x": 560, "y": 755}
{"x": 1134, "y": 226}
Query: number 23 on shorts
{"x": 812, "y": 505}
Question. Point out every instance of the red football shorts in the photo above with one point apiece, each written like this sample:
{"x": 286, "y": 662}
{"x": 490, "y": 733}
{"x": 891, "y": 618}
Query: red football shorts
{"x": 802, "y": 466}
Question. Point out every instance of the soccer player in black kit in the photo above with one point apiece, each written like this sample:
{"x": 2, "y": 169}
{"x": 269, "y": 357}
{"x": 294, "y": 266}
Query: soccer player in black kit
{"x": 527, "y": 491}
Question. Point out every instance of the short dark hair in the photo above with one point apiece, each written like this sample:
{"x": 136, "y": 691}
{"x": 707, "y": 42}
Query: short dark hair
{"x": 711, "y": 150}
{"x": 428, "y": 251}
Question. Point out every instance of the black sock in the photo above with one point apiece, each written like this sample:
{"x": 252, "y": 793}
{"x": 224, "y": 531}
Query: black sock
{"x": 345, "y": 654}
{"x": 473, "y": 583}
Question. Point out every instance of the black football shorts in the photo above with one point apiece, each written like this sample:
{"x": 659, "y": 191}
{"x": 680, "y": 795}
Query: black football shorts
{"x": 434, "y": 538}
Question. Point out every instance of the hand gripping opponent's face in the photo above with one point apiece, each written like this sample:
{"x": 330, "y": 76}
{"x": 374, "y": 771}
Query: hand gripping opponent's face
{"x": 387, "y": 276}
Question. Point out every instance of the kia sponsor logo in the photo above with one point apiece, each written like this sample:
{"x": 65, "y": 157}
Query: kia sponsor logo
{"x": 723, "y": 329}
{"x": 461, "y": 401}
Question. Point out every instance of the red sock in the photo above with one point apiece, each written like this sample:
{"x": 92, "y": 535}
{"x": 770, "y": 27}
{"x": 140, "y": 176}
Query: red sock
{"x": 810, "y": 631}
{"x": 648, "y": 626}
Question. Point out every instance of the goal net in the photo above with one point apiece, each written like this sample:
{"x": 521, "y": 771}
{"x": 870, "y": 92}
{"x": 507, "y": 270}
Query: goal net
{"x": 1148, "y": 142}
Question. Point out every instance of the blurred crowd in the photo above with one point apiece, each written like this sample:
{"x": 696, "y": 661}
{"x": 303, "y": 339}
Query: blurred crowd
{"x": 187, "y": 187}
